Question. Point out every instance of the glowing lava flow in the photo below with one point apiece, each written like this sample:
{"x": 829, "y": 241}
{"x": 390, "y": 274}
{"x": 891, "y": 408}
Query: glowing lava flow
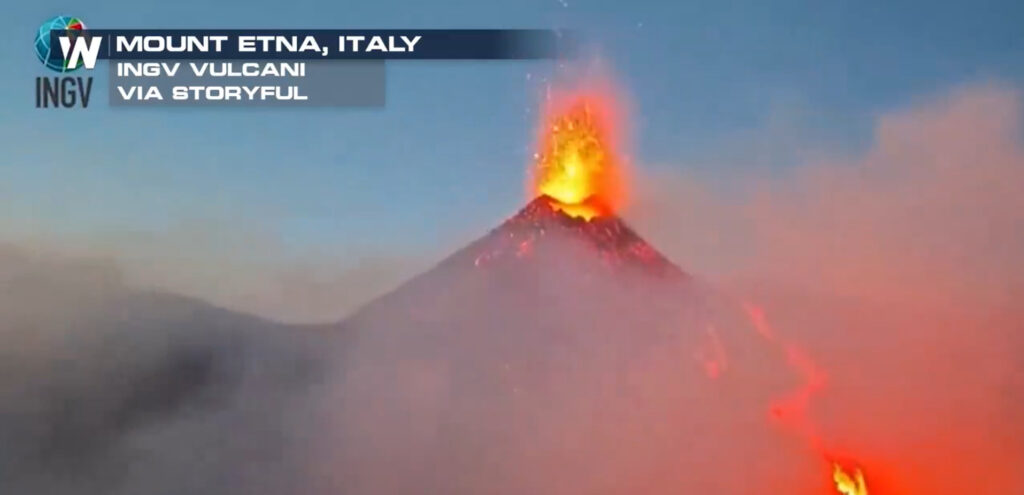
{"x": 792, "y": 410}
{"x": 577, "y": 163}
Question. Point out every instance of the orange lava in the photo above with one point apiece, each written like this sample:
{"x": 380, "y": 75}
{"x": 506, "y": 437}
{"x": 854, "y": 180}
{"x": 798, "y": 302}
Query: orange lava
{"x": 577, "y": 163}
{"x": 849, "y": 482}
{"x": 793, "y": 409}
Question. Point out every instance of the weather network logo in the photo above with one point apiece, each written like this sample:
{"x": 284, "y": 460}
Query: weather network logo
{"x": 64, "y": 92}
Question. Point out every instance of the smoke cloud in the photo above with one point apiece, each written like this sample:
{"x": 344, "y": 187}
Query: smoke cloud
{"x": 900, "y": 272}
{"x": 109, "y": 389}
{"x": 237, "y": 266}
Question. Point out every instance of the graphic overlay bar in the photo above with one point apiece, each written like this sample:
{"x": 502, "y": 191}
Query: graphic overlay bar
{"x": 240, "y": 67}
{"x": 297, "y": 44}
{"x": 310, "y": 83}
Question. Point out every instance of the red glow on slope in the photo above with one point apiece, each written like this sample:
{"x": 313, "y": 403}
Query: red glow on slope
{"x": 711, "y": 354}
{"x": 793, "y": 409}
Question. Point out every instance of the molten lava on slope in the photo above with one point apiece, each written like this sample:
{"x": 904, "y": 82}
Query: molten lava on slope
{"x": 552, "y": 356}
{"x": 533, "y": 231}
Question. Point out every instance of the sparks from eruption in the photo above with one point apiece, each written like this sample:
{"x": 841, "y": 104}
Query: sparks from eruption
{"x": 577, "y": 163}
{"x": 792, "y": 410}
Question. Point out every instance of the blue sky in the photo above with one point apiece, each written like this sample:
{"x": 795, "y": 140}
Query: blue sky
{"x": 446, "y": 158}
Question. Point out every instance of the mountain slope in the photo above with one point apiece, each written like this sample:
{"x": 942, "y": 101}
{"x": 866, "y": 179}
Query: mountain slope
{"x": 519, "y": 364}
{"x": 540, "y": 252}
{"x": 107, "y": 389}
{"x": 526, "y": 233}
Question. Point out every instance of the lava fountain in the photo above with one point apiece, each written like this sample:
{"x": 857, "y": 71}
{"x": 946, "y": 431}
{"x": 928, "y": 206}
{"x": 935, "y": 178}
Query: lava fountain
{"x": 578, "y": 162}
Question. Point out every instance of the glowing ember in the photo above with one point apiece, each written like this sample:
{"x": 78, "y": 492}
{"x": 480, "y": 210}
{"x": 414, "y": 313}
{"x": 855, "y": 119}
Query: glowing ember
{"x": 849, "y": 483}
{"x": 576, "y": 163}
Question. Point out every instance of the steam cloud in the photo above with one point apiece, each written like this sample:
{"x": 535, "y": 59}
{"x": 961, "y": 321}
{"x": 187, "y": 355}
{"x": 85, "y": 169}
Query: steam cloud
{"x": 897, "y": 271}
{"x": 901, "y": 271}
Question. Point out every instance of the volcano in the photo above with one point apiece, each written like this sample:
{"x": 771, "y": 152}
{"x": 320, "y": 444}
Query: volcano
{"x": 559, "y": 353}
{"x": 548, "y": 356}
{"x": 527, "y": 233}
{"x": 537, "y": 235}
{"x": 536, "y": 258}
{"x": 555, "y": 354}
